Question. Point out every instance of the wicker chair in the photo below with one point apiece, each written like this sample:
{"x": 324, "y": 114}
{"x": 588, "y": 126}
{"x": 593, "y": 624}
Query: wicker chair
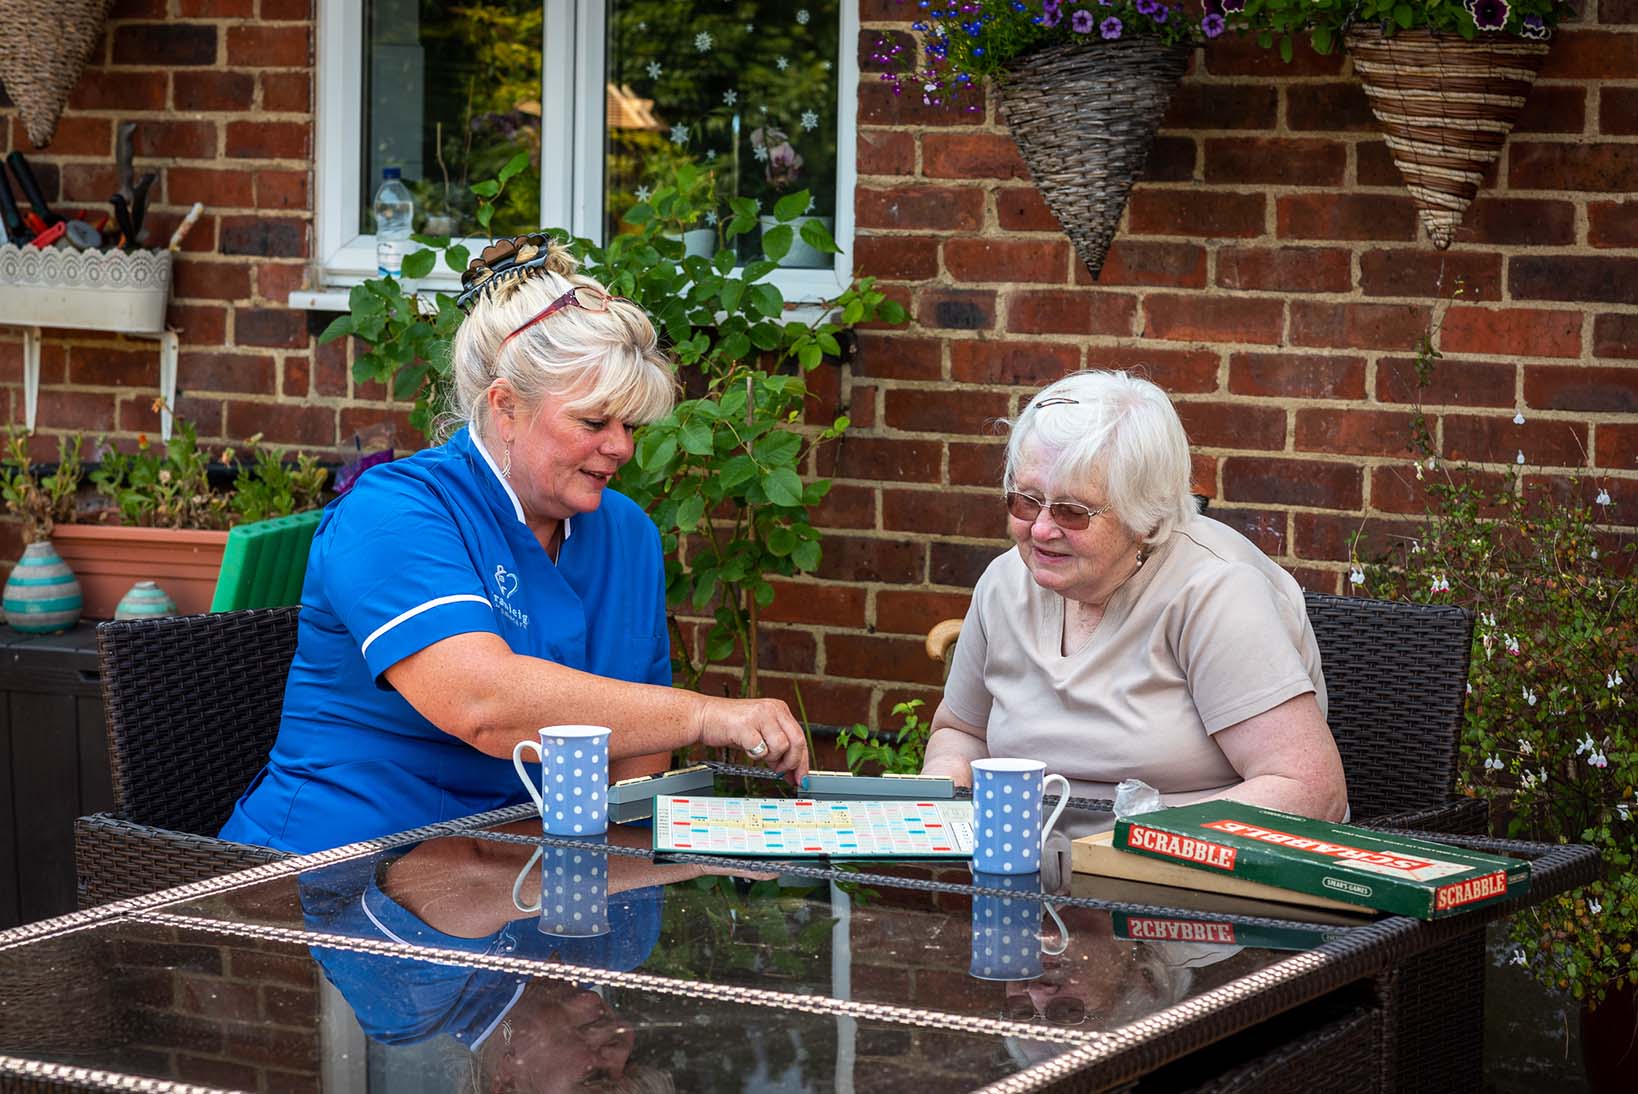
{"x": 192, "y": 705}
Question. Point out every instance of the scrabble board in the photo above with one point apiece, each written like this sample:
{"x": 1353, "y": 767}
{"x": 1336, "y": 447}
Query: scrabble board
{"x": 804, "y": 827}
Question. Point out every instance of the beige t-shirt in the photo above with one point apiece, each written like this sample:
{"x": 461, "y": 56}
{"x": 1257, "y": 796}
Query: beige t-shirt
{"x": 1208, "y": 633}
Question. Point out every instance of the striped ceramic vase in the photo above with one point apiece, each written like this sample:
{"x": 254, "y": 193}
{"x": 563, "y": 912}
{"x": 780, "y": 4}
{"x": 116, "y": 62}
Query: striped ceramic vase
{"x": 146, "y": 600}
{"x": 42, "y": 596}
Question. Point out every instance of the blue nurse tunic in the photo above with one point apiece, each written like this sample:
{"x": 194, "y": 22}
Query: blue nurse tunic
{"x": 399, "y": 1000}
{"x": 419, "y": 550}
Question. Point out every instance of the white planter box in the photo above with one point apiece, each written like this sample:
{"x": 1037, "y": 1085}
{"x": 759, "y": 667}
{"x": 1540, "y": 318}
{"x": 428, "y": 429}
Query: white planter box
{"x": 88, "y": 290}
{"x": 84, "y": 290}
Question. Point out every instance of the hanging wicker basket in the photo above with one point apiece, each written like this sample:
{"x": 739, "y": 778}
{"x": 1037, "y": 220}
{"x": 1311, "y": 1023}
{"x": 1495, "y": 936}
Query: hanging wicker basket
{"x": 1446, "y": 105}
{"x": 1085, "y": 117}
{"x": 44, "y": 45}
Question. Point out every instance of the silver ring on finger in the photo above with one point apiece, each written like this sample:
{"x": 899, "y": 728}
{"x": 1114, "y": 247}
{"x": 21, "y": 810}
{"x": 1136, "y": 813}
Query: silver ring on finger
{"x": 759, "y": 750}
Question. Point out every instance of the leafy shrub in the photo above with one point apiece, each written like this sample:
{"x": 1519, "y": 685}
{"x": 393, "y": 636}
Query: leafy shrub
{"x": 1548, "y": 738}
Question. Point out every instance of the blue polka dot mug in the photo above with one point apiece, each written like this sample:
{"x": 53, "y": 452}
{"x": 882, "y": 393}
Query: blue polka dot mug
{"x": 574, "y": 891}
{"x": 1007, "y": 938}
{"x": 1007, "y": 828}
{"x": 572, "y": 793}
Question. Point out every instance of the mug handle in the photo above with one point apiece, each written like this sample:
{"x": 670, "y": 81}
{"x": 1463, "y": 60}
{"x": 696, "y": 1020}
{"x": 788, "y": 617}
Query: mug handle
{"x": 528, "y": 783}
{"x": 1063, "y": 800}
{"x": 517, "y": 896}
{"x": 1063, "y": 932}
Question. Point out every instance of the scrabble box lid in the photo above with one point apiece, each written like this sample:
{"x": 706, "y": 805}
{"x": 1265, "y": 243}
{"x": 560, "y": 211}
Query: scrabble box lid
{"x": 1344, "y": 862}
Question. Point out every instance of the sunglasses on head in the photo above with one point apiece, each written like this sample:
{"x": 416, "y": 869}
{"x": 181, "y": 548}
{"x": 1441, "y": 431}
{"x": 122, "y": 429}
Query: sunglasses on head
{"x": 1071, "y": 516}
{"x": 595, "y": 300}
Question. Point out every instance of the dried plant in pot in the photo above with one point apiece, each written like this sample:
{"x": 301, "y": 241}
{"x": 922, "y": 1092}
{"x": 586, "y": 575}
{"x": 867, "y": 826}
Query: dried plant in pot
{"x": 42, "y": 594}
{"x": 161, "y": 512}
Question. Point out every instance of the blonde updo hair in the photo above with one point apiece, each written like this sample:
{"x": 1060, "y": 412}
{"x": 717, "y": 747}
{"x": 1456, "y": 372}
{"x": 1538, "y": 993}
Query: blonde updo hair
{"x": 1115, "y": 430}
{"x": 615, "y": 351}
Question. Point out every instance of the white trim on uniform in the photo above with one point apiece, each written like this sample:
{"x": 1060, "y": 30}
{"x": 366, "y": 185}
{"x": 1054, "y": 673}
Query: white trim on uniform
{"x": 380, "y": 926}
{"x": 438, "y": 602}
{"x": 507, "y": 1009}
{"x": 489, "y": 461}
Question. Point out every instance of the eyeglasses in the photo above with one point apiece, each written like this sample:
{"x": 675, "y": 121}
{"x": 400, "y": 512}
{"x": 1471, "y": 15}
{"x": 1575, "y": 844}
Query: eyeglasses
{"x": 596, "y": 300}
{"x": 1062, "y": 1010}
{"x": 1062, "y": 1007}
{"x": 1069, "y": 515}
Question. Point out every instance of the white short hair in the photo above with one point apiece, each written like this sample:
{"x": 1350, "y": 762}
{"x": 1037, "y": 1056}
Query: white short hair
{"x": 1117, "y": 431}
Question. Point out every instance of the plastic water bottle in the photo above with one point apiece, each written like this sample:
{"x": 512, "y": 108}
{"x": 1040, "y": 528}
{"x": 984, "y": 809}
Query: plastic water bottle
{"x": 394, "y": 210}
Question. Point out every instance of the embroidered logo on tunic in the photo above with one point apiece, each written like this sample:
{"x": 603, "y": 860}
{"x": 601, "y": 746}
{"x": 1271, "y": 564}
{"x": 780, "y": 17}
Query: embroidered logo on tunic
{"x": 505, "y": 582}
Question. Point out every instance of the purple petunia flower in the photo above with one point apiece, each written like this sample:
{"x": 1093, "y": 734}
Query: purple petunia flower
{"x": 1081, "y": 22}
{"x": 1160, "y": 13}
{"x": 1052, "y": 14}
{"x": 1532, "y": 26}
{"x": 1212, "y": 25}
{"x": 1489, "y": 14}
{"x": 1109, "y": 28}
{"x": 1148, "y": 7}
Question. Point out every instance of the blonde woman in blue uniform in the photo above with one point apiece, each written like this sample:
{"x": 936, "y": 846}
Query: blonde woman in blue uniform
{"x": 458, "y": 600}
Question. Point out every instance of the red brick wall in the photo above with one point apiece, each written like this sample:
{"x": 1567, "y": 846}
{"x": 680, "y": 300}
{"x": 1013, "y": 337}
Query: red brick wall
{"x": 1270, "y": 274}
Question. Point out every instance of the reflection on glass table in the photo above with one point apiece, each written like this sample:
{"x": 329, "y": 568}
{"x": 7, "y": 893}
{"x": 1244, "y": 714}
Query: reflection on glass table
{"x": 718, "y": 975}
{"x": 914, "y": 938}
{"x": 203, "y": 1006}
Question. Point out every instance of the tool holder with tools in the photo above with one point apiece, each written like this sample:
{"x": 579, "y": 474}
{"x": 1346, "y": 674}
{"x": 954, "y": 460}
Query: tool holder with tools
{"x": 57, "y": 271}
{"x": 123, "y": 292}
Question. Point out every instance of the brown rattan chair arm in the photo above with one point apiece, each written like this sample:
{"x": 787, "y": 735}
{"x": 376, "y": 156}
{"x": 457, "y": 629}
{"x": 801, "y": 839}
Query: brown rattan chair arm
{"x": 941, "y": 637}
{"x": 116, "y": 859}
{"x": 1463, "y": 817}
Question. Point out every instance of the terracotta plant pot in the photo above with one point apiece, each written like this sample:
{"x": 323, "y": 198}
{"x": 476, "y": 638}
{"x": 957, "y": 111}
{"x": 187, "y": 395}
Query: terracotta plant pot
{"x": 109, "y": 559}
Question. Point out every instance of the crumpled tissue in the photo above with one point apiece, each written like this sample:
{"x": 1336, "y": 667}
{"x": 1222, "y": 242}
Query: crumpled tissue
{"x": 1134, "y": 796}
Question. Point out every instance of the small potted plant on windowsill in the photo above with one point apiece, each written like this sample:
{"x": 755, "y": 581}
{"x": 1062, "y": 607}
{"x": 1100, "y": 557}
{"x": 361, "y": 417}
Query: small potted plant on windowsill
{"x": 782, "y": 173}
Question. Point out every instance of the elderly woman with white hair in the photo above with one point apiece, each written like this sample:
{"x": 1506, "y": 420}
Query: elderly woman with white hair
{"x": 1127, "y": 636}
{"x": 458, "y": 600}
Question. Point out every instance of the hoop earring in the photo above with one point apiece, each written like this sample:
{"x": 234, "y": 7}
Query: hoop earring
{"x": 506, "y": 465}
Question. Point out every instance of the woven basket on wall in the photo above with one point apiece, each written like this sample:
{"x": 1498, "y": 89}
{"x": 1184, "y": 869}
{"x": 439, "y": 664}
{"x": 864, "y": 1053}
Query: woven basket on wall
{"x": 44, "y": 45}
{"x": 1446, "y": 105}
{"x": 1085, "y": 117}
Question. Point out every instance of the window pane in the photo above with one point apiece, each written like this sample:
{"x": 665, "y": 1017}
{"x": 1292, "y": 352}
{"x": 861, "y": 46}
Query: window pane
{"x": 746, "y": 87}
{"x": 451, "y": 93}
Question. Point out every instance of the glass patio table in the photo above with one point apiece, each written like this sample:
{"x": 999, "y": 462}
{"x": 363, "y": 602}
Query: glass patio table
{"x": 439, "y": 959}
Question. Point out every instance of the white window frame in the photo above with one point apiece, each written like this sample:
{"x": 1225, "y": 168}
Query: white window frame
{"x": 572, "y": 52}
